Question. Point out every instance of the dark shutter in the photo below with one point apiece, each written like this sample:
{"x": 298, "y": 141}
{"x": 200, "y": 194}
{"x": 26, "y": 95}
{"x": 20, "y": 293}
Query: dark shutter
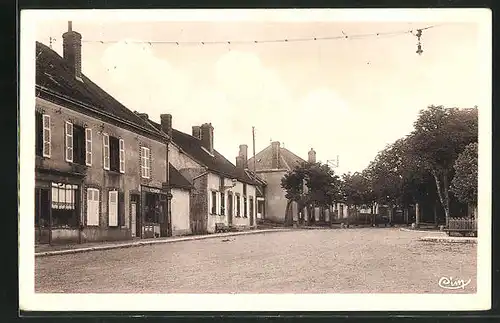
{"x": 39, "y": 133}
{"x": 121, "y": 209}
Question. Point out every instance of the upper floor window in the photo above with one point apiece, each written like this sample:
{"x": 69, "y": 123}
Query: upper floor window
{"x": 114, "y": 153}
{"x": 43, "y": 135}
{"x": 76, "y": 144}
{"x": 145, "y": 162}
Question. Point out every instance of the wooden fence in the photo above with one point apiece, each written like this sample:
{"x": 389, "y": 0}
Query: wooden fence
{"x": 463, "y": 225}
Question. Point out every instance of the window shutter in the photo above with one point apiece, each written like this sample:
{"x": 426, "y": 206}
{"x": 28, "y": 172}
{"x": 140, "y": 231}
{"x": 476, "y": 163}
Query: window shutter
{"x": 121, "y": 209}
{"x": 46, "y": 136}
{"x": 143, "y": 162}
{"x": 122, "y": 156}
{"x": 105, "y": 150}
{"x": 148, "y": 159}
{"x": 88, "y": 146}
{"x": 113, "y": 208}
{"x": 69, "y": 141}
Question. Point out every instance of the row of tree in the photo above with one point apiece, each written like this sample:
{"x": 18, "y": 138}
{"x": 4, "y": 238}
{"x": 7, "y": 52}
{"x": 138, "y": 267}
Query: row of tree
{"x": 438, "y": 158}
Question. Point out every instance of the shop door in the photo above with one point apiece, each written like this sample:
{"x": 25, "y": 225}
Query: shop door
{"x": 42, "y": 215}
{"x": 135, "y": 217}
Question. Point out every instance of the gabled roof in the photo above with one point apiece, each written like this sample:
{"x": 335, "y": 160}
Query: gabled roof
{"x": 216, "y": 163}
{"x": 177, "y": 180}
{"x": 53, "y": 76}
{"x": 263, "y": 160}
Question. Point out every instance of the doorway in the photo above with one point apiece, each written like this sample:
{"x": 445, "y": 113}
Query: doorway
{"x": 229, "y": 208}
{"x": 42, "y": 215}
{"x": 135, "y": 219}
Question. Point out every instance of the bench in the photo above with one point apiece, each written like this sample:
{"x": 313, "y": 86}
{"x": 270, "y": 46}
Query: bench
{"x": 221, "y": 227}
{"x": 462, "y": 226}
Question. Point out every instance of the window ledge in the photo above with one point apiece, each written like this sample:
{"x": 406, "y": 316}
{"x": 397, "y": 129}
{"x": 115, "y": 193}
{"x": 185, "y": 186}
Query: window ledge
{"x": 114, "y": 172}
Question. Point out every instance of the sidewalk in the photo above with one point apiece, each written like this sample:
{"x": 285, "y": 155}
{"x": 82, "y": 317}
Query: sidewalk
{"x": 47, "y": 250}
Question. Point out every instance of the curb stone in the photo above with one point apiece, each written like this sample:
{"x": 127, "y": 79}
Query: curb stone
{"x": 422, "y": 231}
{"x": 449, "y": 239}
{"x": 145, "y": 243}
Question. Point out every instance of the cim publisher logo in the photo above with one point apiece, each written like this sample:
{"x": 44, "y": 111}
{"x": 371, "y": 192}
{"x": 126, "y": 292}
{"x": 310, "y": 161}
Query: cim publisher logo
{"x": 453, "y": 283}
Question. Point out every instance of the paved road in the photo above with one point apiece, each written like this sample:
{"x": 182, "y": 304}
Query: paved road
{"x": 383, "y": 260}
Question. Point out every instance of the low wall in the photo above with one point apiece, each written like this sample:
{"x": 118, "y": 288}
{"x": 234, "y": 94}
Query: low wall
{"x": 88, "y": 234}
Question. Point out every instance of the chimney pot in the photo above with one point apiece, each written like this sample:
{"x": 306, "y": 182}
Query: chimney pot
{"x": 312, "y": 156}
{"x": 196, "y": 132}
{"x": 166, "y": 124}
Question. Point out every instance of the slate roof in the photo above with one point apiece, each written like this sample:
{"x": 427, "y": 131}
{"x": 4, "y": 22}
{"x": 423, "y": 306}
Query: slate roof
{"x": 216, "y": 163}
{"x": 177, "y": 180}
{"x": 53, "y": 74}
{"x": 263, "y": 159}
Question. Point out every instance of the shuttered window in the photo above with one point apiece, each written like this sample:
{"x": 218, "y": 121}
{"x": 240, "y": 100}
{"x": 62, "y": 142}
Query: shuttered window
{"x": 145, "y": 162}
{"x": 92, "y": 206}
{"x": 88, "y": 146}
{"x": 69, "y": 141}
{"x": 122, "y": 156}
{"x": 46, "y": 136}
{"x": 113, "y": 208}
{"x": 105, "y": 150}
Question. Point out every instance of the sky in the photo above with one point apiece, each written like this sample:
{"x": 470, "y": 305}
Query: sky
{"x": 347, "y": 97}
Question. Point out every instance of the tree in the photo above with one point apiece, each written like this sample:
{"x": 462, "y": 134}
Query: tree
{"x": 310, "y": 184}
{"x": 438, "y": 137}
{"x": 464, "y": 183}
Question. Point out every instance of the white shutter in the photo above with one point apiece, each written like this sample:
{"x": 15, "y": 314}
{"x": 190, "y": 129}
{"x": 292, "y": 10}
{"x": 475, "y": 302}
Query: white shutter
{"x": 69, "y": 141}
{"x": 88, "y": 146}
{"x": 148, "y": 163}
{"x": 46, "y": 136}
{"x": 122, "y": 156}
{"x": 113, "y": 208}
{"x": 92, "y": 206}
{"x": 145, "y": 162}
{"x": 142, "y": 162}
{"x": 105, "y": 150}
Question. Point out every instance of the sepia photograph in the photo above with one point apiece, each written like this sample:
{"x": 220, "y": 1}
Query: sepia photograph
{"x": 255, "y": 160}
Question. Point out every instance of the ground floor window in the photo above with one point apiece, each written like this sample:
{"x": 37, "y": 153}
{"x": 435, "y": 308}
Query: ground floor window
{"x": 213, "y": 202}
{"x": 42, "y": 207}
{"x": 64, "y": 205}
{"x": 251, "y": 207}
{"x": 153, "y": 209}
{"x": 222, "y": 203}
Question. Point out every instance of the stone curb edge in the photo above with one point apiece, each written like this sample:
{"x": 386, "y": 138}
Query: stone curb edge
{"x": 422, "y": 231}
{"x": 145, "y": 243}
{"x": 449, "y": 240}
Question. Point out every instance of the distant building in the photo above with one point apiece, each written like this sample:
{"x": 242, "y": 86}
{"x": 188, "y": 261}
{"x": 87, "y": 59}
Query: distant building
{"x": 221, "y": 192}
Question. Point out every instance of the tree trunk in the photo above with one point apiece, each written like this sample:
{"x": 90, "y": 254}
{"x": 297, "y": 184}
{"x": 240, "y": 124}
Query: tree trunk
{"x": 287, "y": 213}
{"x": 443, "y": 194}
{"x": 417, "y": 214}
{"x": 406, "y": 215}
{"x": 435, "y": 214}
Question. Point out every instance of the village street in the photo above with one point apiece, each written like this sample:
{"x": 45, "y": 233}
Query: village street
{"x": 357, "y": 260}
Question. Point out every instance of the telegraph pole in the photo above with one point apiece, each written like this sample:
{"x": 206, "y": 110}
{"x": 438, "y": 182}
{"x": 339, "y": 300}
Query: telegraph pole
{"x": 253, "y": 144}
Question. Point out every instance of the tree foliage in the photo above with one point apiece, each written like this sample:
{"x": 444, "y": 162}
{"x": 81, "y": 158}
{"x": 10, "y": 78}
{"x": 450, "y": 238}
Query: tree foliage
{"x": 311, "y": 184}
{"x": 464, "y": 183}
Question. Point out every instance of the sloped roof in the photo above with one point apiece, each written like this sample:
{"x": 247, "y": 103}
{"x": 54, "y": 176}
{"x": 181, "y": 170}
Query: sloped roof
{"x": 53, "y": 74}
{"x": 216, "y": 163}
{"x": 263, "y": 160}
{"x": 177, "y": 180}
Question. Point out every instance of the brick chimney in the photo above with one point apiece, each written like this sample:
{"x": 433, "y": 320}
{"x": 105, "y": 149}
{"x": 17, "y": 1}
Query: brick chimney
{"x": 311, "y": 156}
{"x": 239, "y": 162}
{"x": 196, "y": 132}
{"x": 276, "y": 154}
{"x": 244, "y": 155}
{"x": 166, "y": 124}
{"x": 207, "y": 137}
{"x": 72, "y": 51}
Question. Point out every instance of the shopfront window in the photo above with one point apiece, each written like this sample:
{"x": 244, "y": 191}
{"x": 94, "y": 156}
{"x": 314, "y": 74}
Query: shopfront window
{"x": 64, "y": 204}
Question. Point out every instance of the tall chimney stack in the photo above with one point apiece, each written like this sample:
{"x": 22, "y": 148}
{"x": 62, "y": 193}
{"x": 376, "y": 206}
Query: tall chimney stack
{"x": 239, "y": 162}
{"x": 166, "y": 124}
{"x": 207, "y": 137}
{"x": 312, "y": 156}
{"x": 72, "y": 51}
{"x": 244, "y": 155}
{"x": 276, "y": 154}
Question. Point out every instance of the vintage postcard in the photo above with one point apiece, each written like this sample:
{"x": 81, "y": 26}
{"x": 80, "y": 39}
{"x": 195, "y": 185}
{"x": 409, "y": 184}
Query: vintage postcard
{"x": 255, "y": 160}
